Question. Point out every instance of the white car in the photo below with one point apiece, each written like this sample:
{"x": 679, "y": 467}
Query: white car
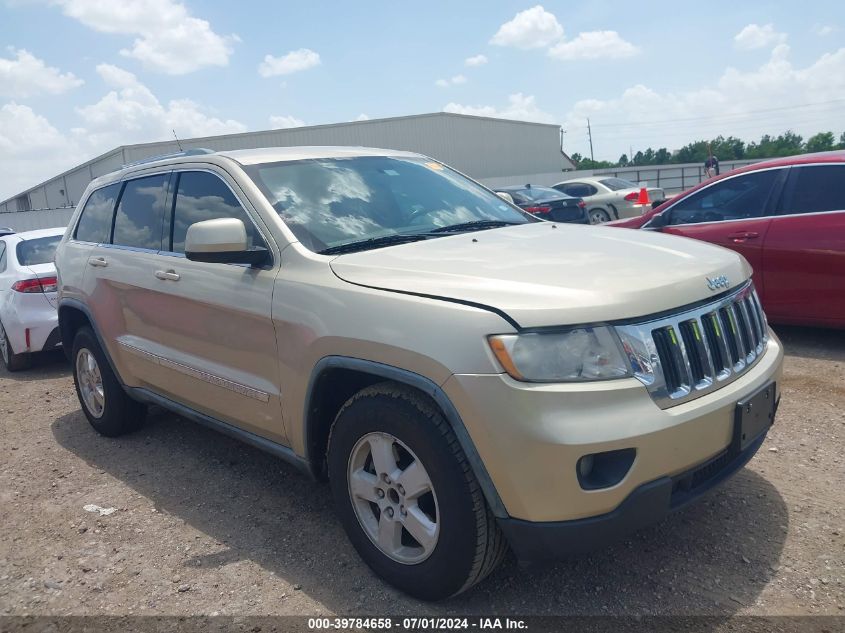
{"x": 28, "y": 317}
{"x": 609, "y": 198}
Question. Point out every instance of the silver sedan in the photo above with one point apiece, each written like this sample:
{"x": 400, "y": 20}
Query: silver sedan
{"x": 609, "y": 198}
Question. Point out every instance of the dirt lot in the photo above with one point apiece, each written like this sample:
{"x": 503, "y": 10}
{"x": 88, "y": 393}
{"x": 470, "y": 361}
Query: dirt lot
{"x": 205, "y": 525}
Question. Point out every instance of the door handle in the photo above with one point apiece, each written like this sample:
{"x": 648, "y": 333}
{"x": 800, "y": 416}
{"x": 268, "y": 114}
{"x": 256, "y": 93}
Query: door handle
{"x": 167, "y": 275}
{"x": 741, "y": 236}
{"x": 99, "y": 262}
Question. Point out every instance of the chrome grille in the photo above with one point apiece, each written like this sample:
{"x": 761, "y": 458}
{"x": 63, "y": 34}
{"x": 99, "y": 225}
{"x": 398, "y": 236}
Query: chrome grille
{"x": 687, "y": 355}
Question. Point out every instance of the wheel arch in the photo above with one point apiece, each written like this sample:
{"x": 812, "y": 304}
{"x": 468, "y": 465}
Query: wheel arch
{"x": 335, "y": 379}
{"x": 74, "y": 315}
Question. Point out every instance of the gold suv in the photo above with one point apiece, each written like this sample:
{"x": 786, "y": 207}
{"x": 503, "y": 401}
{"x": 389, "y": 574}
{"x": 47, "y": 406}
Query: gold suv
{"x": 467, "y": 377}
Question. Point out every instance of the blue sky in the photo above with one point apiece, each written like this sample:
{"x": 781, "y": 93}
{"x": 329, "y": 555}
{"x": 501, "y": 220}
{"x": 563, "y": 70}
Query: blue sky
{"x": 78, "y": 77}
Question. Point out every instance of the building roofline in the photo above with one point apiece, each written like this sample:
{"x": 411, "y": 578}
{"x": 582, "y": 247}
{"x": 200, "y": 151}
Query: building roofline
{"x": 198, "y": 140}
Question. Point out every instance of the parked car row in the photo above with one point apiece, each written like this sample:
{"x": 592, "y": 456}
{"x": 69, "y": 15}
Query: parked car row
{"x": 609, "y": 198}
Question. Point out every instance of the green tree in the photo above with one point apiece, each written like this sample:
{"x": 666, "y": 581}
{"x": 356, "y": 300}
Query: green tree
{"x": 821, "y": 142}
{"x": 623, "y": 160}
{"x": 842, "y": 141}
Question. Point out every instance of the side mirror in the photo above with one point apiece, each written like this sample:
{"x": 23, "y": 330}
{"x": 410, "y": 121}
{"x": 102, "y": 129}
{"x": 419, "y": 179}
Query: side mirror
{"x": 222, "y": 241}
{"x": 504, "y": 195}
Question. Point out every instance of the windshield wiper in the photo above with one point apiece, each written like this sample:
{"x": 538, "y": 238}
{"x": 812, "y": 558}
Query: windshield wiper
{"x": 475, "y": 225}
{"x": 373, "y": 242}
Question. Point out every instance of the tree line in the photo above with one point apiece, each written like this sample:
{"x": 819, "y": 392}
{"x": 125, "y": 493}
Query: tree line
{"x": 724, "y": 148}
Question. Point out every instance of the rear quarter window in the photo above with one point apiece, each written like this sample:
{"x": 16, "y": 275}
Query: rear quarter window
{"x": 815, "y": 189}
{"x": 40, "y": 250}
{"x": 95, "y": 221}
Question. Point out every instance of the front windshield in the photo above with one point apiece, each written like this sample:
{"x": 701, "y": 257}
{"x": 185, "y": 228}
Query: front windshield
{"x": 616, "y": 184}
{"x": 329, "y": 202}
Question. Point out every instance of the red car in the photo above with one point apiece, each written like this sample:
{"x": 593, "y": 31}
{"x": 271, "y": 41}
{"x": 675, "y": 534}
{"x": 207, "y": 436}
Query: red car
{"x": 787, "y": 218}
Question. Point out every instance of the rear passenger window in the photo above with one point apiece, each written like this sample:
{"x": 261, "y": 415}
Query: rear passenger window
{"x": 140, "y": 213}
{"x": 203, "y": 196}
{"x": 95, "y": 222}
{"x": 2, "y": 257}
{"x": 815, "y": 189}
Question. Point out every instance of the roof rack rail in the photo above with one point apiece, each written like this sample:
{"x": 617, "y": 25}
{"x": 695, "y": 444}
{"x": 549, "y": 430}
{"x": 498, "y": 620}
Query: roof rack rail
{"x": 5, "y": 230}
{"x": 194, "y": 151}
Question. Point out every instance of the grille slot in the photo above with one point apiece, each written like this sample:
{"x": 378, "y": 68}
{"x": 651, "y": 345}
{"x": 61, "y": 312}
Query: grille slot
{"x": 697, "y": 351}
{"x": 726, "y": 316}
{"x": 696, "y": 354}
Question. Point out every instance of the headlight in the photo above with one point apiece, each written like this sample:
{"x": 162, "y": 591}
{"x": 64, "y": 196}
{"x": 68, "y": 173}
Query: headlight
{"x": 582, "y": 354}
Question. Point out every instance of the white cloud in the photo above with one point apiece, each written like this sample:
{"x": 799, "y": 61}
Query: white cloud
{"x": 740, "y": 104}
{"x": 755, "y": 36}
{"x": 293, "y": 62}
{"x": 25, "y": 76}
{"x": 131, "y": 113}
{"x": 520, "y": 107}
{"x": 532, "y": 28}
{"x": 169, "y": 39}
{"x": 594, "y": 45}
{"x": 32, "y": 149}
{"x": 475, "y": 60}
{"x": 452, "y": 81}
{"x": 362, "y": 117}
{"x": 285, "y": 121}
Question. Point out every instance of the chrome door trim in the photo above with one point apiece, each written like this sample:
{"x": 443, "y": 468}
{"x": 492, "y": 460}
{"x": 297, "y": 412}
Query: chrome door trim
{"x": 193, "y": 372}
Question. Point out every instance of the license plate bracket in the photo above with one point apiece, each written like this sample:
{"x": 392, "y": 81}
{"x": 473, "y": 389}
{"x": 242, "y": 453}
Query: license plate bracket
{"x": 754, "y": 415}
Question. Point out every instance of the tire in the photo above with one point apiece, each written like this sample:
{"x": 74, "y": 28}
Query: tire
{"x": 104, "y": 402}
{"x": 599, "y": 216}
{"x": 12, "y": 361}
{"x": 467, "y": 543}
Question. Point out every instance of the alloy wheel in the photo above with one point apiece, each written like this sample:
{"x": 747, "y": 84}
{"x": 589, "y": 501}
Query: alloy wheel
{"x": 393, "y": 498}
{"x": 90, "y": 382}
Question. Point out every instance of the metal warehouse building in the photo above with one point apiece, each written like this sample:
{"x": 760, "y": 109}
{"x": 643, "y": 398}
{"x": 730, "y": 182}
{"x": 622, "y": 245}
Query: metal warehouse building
{"x": 487, "y": 149}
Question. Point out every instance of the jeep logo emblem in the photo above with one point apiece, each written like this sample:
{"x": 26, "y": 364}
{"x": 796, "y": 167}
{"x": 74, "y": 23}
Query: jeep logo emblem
{"x": 718, "y": 282}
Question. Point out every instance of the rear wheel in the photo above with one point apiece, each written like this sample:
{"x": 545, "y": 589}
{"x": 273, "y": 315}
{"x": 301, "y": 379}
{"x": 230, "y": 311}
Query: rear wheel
{"x": 599, "y": 216}
{"x": 12, "y": 361}
{"x": 406, "y": 494}
{"x": 109, "y": 410}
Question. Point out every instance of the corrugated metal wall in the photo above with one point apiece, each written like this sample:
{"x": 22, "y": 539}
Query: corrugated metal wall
{"x": 478, "y": 146}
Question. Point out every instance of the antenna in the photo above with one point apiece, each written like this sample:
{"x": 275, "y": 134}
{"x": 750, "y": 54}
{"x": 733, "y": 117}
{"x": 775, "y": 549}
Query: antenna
{"x": 178, "y": 142}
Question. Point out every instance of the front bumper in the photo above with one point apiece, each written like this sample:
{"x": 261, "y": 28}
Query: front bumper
{"x": 531, "y": 436}
{"x": 647, "y": 504}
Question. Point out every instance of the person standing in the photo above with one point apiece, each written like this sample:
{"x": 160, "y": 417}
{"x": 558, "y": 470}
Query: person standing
{"x": 711, "y": 165}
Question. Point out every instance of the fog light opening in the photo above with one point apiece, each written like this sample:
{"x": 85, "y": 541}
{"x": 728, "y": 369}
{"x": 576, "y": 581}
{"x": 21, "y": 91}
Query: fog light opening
{"x": 603, "y": 470}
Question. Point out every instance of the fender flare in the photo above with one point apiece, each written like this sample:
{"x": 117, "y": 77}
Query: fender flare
{"x": 428, "y": 387}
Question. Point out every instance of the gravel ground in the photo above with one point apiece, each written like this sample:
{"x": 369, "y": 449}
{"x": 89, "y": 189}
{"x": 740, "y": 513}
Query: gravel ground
{"x": 205, "y": 525}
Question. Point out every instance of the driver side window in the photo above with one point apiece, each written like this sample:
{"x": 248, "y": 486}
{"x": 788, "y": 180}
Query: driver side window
{"x": 738, "y": 198}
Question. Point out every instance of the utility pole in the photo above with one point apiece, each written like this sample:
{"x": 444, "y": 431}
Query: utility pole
{"x": 590, "y": 134}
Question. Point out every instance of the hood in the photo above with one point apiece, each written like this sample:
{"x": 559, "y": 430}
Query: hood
{"x": 542, "y": 274}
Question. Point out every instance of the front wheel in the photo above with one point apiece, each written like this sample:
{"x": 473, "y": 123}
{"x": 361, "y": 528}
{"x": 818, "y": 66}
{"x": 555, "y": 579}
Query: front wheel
{"x": 106, "y": 405}
{"x": 406, "y": 494}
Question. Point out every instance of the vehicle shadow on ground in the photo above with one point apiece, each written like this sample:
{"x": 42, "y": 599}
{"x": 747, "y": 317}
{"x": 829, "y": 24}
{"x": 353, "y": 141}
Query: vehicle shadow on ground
{"x": 809, "y": 342}
{"x": 45, "y": 366}
{"x": 713, "y": 557}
